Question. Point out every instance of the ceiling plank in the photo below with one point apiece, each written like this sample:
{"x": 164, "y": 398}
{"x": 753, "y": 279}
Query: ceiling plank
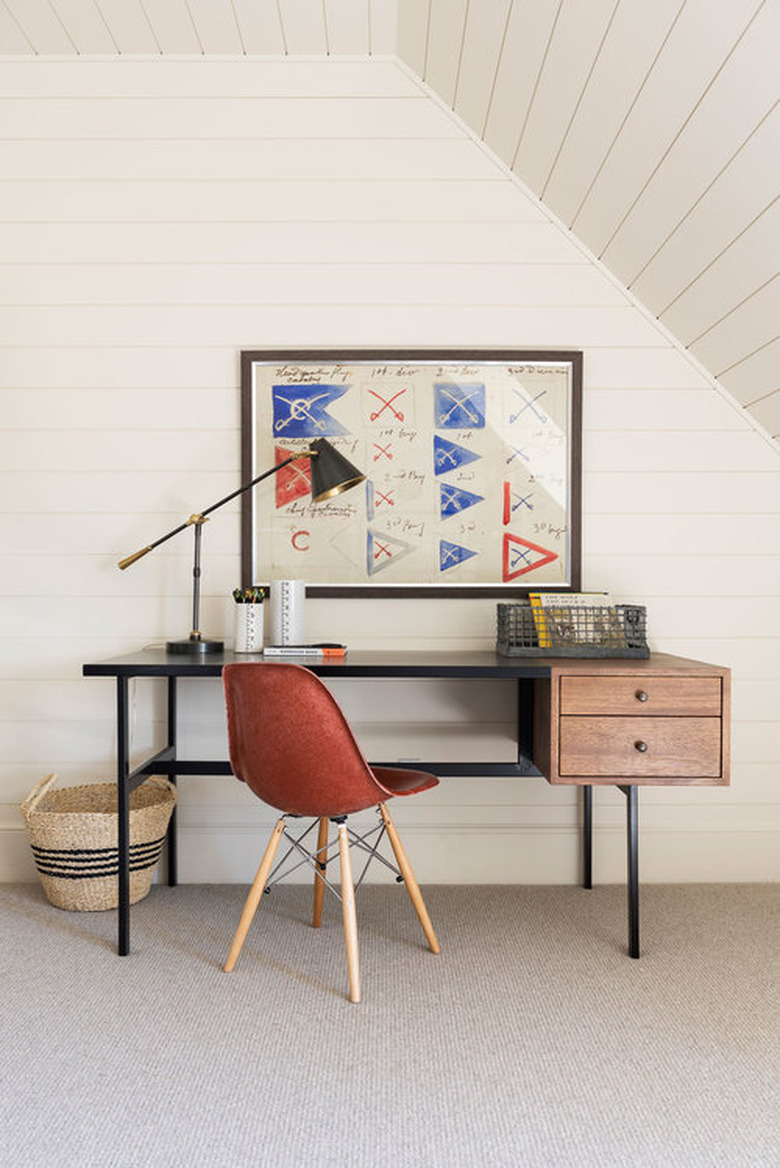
{"x": 754, "y": 376}
{"x": 412, "y": 43}
{"x": 742, "y": 268}
{"x": 632, "y": 43}
{"x": 383, "y": 22}
{"x": 485, "y": 29}
{"x": 718, "y": 128}
{"x": 447, "y": 27}
{"x": 575, "y": 46}
{"x": 85, "y": 26}
{"x": 686, "y": 66}
{"x": 741, "y": 193}
{"x": 743, "y": 331}
{"x": 260, "y": 26}
{"x": 13, "y": 40}
{"x": 303, "y": 26}
{"x": 767, "y": 413}
{"x": 39, "y": 24}
{"x": 215, "y": 22}
{"x": 347, "y": 26}
{"x": 130, "y": 29}
{"x": 173, "y": 29}
{"x": 525, "y": 44}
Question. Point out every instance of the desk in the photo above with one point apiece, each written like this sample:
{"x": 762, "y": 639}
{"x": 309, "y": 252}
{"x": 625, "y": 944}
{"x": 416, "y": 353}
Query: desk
{"x": 623, "y": 723}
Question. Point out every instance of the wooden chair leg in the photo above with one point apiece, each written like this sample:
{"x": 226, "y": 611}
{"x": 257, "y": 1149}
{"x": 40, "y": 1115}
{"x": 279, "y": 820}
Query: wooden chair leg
{"x": 412, "y": 887}
{"x": 319, "y": 884}
{"x": 253, "y": 899}
{"x": 350, "y": 916}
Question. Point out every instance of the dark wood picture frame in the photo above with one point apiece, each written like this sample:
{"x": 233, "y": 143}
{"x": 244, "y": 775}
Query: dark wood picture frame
{"x": 251, "y": 573}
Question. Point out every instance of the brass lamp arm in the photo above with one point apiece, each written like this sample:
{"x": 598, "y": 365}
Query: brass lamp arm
{"x": 200, "y": 517}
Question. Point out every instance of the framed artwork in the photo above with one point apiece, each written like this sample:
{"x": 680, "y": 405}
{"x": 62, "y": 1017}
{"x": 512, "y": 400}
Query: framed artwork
{"x": 472, "y": 461}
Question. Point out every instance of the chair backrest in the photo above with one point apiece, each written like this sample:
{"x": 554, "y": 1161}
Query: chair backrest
{"x": 291, "y": 744}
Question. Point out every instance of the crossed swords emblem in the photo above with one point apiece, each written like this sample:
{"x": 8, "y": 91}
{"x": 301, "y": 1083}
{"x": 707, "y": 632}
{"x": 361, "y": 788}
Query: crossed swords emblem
{"x": 387, "y": 404}
{"x": 460, "y": 402}
{"x": 300, "y": 407}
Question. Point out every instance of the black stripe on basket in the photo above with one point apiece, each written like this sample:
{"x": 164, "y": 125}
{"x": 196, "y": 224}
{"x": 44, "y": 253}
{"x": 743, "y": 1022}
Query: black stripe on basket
{"x": 101, "y": 855}
{"x": 39, "y": 851}
{"x": 86, "y": 862}
{"x": 89, "y": 873}
{"x": 93, "y": 873}
{"x": 76, "y": 864}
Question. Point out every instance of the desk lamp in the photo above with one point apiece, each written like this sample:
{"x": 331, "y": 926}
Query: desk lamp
{"x": 331, "y": 473}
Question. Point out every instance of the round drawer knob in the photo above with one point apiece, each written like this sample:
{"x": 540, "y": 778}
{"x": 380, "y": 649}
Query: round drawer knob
{"x": 640, "y": 746}
{"x": 641, "y": 696}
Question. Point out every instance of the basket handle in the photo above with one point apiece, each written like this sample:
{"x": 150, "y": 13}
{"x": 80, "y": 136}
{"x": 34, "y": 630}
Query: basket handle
{"x": 161, "y": 782}
{"x": 37, "y": 793}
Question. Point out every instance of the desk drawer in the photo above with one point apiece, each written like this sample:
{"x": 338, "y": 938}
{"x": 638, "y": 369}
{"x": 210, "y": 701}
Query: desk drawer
{"x": 641, "y": 696}
{"x": 640, "y": 748}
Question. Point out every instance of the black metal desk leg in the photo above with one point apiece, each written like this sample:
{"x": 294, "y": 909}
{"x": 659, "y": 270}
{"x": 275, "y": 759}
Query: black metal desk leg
{"x": 587, "y": 836}
{"x": 171, "y": 837}
{"x": 632, "y": 847}
{"x": 123, "y": 817}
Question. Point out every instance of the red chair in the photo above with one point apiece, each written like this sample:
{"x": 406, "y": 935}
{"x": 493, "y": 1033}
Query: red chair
{"x": 290, "y": 743}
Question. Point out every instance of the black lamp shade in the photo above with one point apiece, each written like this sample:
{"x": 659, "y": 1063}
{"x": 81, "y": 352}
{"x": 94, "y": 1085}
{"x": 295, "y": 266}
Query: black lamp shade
{"x": 331, "y": 472}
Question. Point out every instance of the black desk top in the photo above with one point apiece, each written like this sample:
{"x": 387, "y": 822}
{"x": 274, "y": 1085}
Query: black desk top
{"x": 155, "y": 661}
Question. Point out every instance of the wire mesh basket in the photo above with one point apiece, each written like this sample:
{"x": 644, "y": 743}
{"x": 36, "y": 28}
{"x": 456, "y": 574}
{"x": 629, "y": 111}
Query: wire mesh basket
{"x": 616, "y": 630}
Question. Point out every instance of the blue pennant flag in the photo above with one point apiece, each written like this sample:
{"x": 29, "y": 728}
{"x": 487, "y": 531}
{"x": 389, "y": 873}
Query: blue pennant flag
{"x": 452, "y": 554}
{"x": 449, "y": 456}
{"x": 453, "y": 500}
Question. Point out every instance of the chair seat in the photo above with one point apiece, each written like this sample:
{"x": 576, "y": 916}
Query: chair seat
{"x": 401, "y": 781}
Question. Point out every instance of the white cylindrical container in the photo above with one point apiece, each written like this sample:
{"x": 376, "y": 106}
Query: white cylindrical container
{"x": 249, "y": 628}
{"x": 287, "y": 625}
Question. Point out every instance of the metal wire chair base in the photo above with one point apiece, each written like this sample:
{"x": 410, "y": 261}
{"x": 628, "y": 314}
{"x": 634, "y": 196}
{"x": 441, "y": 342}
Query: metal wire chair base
{"x": 319, "y": 862}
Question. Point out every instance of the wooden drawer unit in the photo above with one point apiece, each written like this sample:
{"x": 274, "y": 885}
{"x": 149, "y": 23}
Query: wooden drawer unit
{"x": 660, "y": 721}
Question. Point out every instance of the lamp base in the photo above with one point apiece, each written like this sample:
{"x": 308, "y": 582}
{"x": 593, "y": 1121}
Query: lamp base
{"x": 194, "y": 646}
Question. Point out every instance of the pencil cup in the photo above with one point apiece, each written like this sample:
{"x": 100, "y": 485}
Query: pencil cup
{"x": 249, "y": 628}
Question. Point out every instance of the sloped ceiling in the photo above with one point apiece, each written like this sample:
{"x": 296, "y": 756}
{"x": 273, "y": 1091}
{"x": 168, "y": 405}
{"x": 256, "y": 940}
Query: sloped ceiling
{"x": 650, "y": 129}
{"x": 200, "y": 27}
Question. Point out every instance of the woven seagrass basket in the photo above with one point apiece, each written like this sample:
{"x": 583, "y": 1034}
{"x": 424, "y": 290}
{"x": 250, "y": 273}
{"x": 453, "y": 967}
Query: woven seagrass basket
{"x": 73, "y": 836}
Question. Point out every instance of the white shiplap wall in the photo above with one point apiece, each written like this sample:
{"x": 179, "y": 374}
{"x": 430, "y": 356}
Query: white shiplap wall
{"x": 158, "y": 217}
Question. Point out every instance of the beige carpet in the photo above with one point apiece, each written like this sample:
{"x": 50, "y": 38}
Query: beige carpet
{"x": 531, "y": 1040}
